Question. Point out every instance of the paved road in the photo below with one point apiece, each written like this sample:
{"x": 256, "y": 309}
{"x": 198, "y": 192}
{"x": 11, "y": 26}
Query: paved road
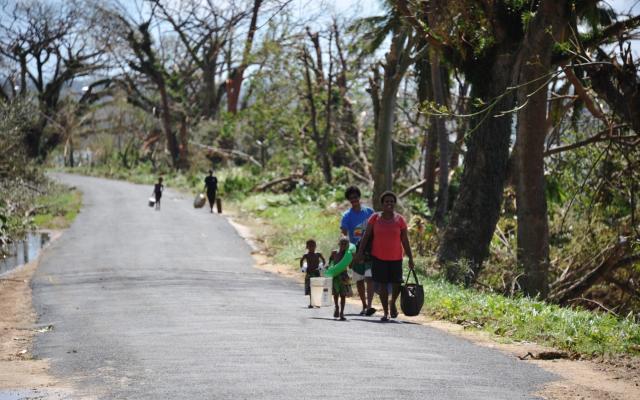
{"x": 168, "y": 305}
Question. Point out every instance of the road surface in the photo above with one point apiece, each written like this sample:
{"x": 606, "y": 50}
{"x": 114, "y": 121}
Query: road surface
{"x": 168, "y": 305}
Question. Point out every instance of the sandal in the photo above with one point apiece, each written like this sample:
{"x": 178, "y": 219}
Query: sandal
{"x": 384, "y": 319}
{"x": 370, "y": 311}
{"x": 363, "y": 312}
{"x": 342, "y": 318}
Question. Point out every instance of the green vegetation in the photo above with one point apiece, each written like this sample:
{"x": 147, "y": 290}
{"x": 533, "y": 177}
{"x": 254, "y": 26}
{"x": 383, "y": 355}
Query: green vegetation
{"x": 290, "y": 225}
{"x": 58, "y": 208}
{"x": 285, "y": 225}
{"x": 33, "y": 204}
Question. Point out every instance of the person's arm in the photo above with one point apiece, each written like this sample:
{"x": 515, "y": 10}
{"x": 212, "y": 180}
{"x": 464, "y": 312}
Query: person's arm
{"x": 304, "y": 256}
{"x": 404, "y": 238}
{"x": 322, "y": 258}
{"x": 359, "y": 257}
{"x": 343, "y": 225}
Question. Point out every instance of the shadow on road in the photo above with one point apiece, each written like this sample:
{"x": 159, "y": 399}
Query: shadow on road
{"x": 375, "y": 320}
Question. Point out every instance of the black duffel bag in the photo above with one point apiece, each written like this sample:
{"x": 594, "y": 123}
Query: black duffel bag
{"x": 411, "y": 296}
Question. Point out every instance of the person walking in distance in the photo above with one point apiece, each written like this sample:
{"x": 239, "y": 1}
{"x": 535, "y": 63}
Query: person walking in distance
{"x": 211, "y": 187}
{"x": 158, "y": 188}
{"x": 353, "y": 225}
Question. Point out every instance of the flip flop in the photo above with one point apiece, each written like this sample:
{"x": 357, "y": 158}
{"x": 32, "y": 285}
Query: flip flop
{"x": 343, "y": 318}
{"x": 384, "y": 319}
{"x": 370, "y": 311}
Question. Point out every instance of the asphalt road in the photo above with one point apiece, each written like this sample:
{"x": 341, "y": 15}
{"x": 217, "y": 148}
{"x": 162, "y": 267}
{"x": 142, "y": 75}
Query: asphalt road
{"x": 167, "y": 305}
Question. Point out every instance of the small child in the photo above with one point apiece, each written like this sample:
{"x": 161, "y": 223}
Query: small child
{"x": 342, "y": 282}
{"x": 158, "y": 188}
{"x": 312, "y": 260}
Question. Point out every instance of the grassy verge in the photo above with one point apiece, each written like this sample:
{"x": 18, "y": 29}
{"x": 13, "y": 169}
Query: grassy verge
{"x": 286, "y": 226}
{"x": 58, "y": 208}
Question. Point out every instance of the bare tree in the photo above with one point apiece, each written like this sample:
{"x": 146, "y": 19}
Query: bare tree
{"x": 320, "y": 136}
{"x": 49, "y": 45}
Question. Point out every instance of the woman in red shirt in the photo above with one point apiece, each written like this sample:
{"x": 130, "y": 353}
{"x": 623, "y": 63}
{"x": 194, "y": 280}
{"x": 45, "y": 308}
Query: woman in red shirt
{"x": 389, "y": 230}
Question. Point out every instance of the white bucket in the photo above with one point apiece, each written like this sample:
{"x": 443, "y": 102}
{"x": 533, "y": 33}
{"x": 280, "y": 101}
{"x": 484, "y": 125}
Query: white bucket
{"x": 321, "y": 292}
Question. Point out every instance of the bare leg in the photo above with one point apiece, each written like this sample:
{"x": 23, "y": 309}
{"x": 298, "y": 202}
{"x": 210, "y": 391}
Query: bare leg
{"x": 342, "y": 301}
{"x": 361, "y": 293}
{"x": 369, "y": 283}
{"x": 336, "y": 313}
{"x": 394, "y": 296}
{"x": 384, "y": 299}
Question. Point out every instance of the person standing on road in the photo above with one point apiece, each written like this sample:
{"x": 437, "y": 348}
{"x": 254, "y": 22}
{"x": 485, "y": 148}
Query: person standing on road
{"x": 341, "y": 282}
{"x": 314, "y": 261}
{"x": 211, "y": 187}
{"x": 389, "y": 230}
{"x": 158, "y": 188}
{"x": 353, "y": 225}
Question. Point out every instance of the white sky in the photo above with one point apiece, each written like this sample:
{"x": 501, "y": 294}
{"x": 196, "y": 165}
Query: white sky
{"x": 625, "y": 5}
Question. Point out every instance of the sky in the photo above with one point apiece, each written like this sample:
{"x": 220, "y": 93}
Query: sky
{"x": 625, "y": 5}
{"x": 371, "y": 7}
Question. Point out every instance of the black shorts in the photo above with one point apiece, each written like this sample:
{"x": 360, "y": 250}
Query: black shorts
{"x": 384, "y": 271}
{"x": 211, "y": 196}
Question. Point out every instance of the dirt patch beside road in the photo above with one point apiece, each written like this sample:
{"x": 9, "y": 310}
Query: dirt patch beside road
{"x": 617, "y": 379}
{"x": 18, "y": 370}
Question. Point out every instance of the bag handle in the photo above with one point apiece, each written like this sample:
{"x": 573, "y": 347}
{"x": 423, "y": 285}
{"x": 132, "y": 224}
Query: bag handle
{"x": 415, "y": 277}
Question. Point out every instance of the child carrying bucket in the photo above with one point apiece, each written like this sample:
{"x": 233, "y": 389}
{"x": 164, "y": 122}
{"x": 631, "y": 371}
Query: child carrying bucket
{"x": 312, "y": 270}
{"x": 341, "y": 281}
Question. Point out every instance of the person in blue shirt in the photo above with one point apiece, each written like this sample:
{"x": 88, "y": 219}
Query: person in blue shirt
{"x": 353, "y": 224}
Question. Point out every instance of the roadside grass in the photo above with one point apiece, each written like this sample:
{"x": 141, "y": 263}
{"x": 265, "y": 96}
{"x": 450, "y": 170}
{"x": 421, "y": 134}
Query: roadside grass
{"x": 286, "y": 227}
{"x": 58, "y": 208}
{"x": 290, "y": 226}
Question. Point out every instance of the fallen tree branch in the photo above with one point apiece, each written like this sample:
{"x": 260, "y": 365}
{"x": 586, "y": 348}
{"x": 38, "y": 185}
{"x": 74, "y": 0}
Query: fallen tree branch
{"x": 264, "y": 186}
{"x": 612, "y": 260}
{"x": 594, "y": 302}
{"x": 411, "y": 188}
{"x": 358, "y": 175}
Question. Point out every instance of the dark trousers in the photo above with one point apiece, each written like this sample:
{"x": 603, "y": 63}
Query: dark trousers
{"x": 212, "y": 198}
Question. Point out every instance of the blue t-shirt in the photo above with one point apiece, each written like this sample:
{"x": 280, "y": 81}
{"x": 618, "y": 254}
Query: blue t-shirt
{"x": 355, "y": 223}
